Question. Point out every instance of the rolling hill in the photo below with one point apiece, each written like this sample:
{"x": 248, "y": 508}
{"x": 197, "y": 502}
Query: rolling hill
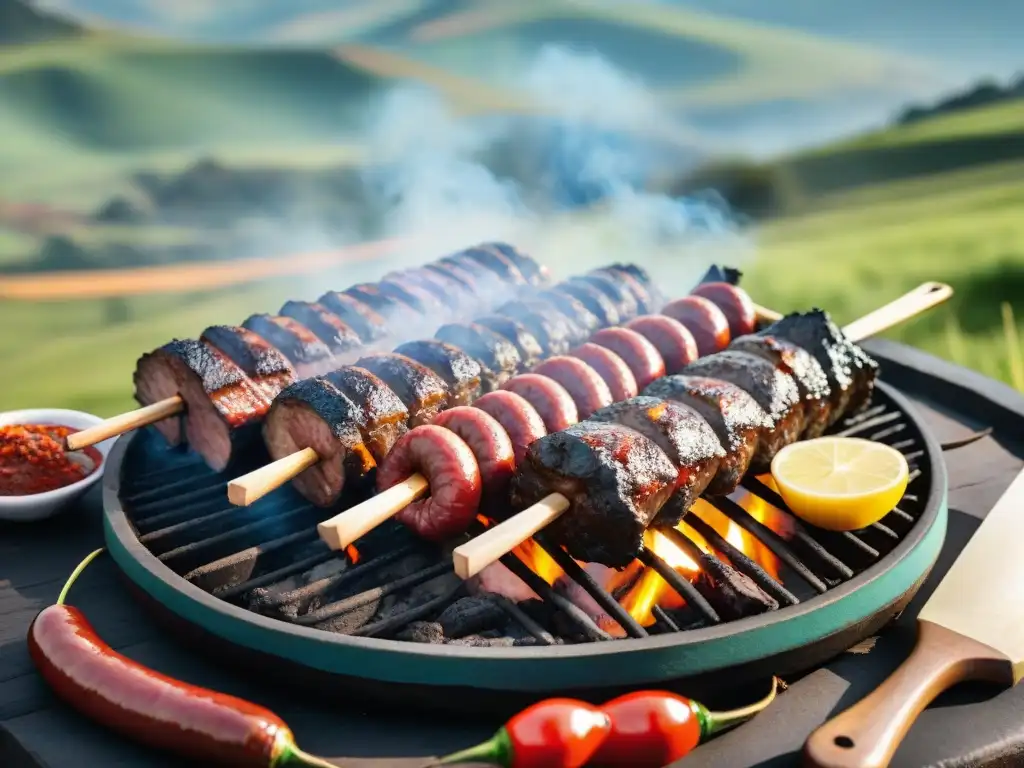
{"x": 21, "y": 23}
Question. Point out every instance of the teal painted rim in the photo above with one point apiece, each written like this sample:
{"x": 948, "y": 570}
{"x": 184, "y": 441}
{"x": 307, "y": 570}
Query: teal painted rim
{"x": 626, "y": 661}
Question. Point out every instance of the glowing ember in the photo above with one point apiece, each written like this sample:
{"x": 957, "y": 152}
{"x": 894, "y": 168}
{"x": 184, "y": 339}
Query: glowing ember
{"x": 353, "y": 553}
{"x": 538, "y": 561}
{"x": 650, "y": 590}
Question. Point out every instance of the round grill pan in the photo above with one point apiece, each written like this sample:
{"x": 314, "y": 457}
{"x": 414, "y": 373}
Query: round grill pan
{"x": 706, "y": 662}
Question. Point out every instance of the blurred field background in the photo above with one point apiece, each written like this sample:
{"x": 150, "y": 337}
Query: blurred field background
{"x": 156, "y": 156}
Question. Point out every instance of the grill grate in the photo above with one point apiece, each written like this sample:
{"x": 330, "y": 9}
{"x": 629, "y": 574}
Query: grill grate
{"x": 268, "y": 558}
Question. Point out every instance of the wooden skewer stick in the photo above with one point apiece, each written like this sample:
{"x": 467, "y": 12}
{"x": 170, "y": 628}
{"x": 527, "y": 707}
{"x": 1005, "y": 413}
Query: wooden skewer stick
{"x": 244, "y": 490}
{"x": 475, "y": 555}
{"x": 125, "y": 422}
{"x": 348, "y": 526}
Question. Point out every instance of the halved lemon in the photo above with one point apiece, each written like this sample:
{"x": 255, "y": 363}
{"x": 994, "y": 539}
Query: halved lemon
{"x": 840, "y": 483}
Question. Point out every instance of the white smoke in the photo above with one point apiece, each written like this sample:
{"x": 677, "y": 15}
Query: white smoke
{"x": 592, "y": 149}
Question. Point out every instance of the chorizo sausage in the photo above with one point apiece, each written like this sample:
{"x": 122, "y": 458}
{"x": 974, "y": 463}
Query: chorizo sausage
{"x": 519, "y": 419}
{"x": 452, "y": 474}
{"x": 555, "y": 406}
{"x": 491, "y": 446}
{"x": 637, "y": 352}
{"x": 703, "y": 319}
{"x": 583, "y": 383}
{"x": 610, "y": 367}
{"x": 735, "y": 304}
{"x": 671, "y": 338}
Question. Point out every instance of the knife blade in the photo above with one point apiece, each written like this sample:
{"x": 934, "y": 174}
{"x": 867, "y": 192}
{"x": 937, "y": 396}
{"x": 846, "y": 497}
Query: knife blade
{"x": 964, "y": 633}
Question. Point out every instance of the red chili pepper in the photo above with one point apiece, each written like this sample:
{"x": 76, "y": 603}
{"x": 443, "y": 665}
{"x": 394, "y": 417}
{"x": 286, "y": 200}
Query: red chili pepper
{"x": 650, "y": 729}
{"x": 556, "y": 733}
{"x": 32, "y": 459}
{"x": 206, "y": 726}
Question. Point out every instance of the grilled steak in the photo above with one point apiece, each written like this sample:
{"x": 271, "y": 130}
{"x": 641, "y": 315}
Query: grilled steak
{"x": 555, "y": 332}
{"x": 315, "y": 414}
{"x": 356, "y": 315}
{"x": 423, "y": 392}
{"x": 265, "y": 366}
{"x": 530, "y": 352}
{"x": 222, "y": 407}
{"x": 850, "y": 370}
{"x": 326, "y": 326}
{"x": 397, "y": 312}
{"x": 497, "y": 356}
{"x": 733, "y": 414}
{"x": 599, "y": 305}
{"x": 306, "y": 352}
{"x": 624, "y": 301}
{"x": 686, "y": 438}
{"x": 460, "y": 371}
{"x": 384, "y": 417}
{"x": 534, "y": 273}
{"x": 615, "y": 479}
{"x": 773, "y": 389}
{"x": 806, "y": 371}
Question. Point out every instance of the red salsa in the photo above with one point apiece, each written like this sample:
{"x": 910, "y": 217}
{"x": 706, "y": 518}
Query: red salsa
{"x": 32, "y": 459}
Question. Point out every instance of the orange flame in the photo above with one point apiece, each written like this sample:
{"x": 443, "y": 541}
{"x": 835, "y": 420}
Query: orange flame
{"x": 539, "y": 561}
{"x": 353, "y": 554}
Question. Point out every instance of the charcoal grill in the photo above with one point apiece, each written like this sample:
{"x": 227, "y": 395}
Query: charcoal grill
{"x": 237, "y": 581}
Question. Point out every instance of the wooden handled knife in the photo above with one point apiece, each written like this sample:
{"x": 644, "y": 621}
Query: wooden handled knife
{"x": 964, "y": 633}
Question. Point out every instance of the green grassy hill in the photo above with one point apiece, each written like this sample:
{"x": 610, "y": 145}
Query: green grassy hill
{"x": 23, "y": 23}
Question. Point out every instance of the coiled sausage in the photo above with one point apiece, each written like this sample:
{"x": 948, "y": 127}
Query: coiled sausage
{"x": 555, "y": 406}
{"x": 583, "y": 383}
{"x": 519, "y": 419}
{"x": 637, "y": 352}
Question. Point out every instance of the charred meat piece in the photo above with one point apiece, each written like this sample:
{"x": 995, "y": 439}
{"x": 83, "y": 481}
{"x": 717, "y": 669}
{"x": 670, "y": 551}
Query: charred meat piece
{"x": 327, "y": 326}
{"x": 407, "y": 292}
{"x": 624, "y": 301}
{"x": 497, "y": 356}
{"x": 640, "y": 275}
{"x": 530, "y": 352}
{"x": 685, "y": 437}
{"x": 392, "y": 309}
{"x": 301, "y": 346}
{"x": 556, "y": 333}
{"x": 773, "y": 389}
{"x": 572, "y": 308}
{"x": 384, "y": 417}
{"x": 806, "y": 371}
{"x": 460, "y": 371}
{"x": 450, "y": 271}
{"x": 223, "y": 408}
{"x": 616, "y": 481}
{"x": 599, "y": 304}
{"x": 424, "y": 392}
{"x": 315, "y": 414}
{"x": 370, "y": 325}
{"x": 850, "y": 370}
{"x": 486, "y": 283}
{"x": 734, "y": 415}
{"x": 445, "y": 289}
{"x": 497, "y": 262}
{"x": 534, "y": 273}
{"x": 644, "y": 300}
{"x": 265, "y": 366}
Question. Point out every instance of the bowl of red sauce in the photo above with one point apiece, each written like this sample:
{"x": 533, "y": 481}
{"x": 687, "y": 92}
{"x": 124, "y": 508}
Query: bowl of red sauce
{"x": 38, "y": 478}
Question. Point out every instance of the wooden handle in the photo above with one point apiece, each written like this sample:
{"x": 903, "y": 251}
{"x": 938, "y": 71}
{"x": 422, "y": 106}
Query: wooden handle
{"x": 348, "y": 526}
{"x": 244, "y": 490}
{"x": 475, "y": 555}
{"x": 766, "y": 316}
{"x": 118, "y": 425}
{"x": 909, "y": 305}
{"x": 867, "y": 734}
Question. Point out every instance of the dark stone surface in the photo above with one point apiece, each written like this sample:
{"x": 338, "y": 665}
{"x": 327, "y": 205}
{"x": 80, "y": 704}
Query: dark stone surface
{"x": 968, "y": 727}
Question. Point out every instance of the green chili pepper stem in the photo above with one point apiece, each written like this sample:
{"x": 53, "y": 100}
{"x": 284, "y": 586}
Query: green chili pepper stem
{"x": 497, "y": 751}
{"x": 713, "y": 723}
{"x": 75, "y": 574}
{"x": 291, "y": 755}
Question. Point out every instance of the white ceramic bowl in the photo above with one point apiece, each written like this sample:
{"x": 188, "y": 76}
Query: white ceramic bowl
{"x": 42, "y": 505}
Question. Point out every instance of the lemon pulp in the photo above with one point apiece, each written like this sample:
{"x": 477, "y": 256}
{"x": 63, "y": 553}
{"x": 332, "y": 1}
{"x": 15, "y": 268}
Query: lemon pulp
{"x": 840, "y": 483}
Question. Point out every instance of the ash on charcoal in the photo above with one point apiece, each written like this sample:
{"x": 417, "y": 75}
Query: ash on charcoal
{"x": 422, "y": 632}
{"x": 476, "y": 641}
{"x": 732, "y": 594}
{"x": 470, "y": 615}
{"x": 324, "y": 570}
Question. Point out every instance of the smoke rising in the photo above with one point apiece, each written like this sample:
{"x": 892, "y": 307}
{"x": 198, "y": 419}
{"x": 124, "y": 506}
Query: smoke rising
{"x": 570, "y": 185}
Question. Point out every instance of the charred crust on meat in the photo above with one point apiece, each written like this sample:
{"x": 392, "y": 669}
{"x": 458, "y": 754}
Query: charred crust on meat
{"x": 295, "y": 341}
{"x": 459, "y": 371}
{"x": 497, "y": 262}
{"x": 530, "y": 350}
{"x": 616, "y": 480}
{"x": 556, "y": 333}
{"x": 213, "y": 369}
{"x": 423, "y": 391}
{"x": 327, "y": 326}
{"x": 369, "y": 324}
{"x": 529, "y": 268}
{"x": 248, "y": 350}
{"x": 625, "y": 302}
{"x": 498, "y": 357}
{"x": 591, "y": 297}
